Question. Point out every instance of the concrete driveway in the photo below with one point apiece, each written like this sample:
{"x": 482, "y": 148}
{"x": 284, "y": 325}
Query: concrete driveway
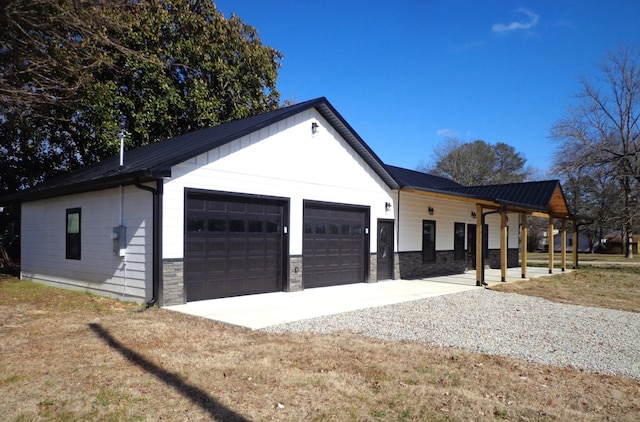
{"x": 264, "y": 310}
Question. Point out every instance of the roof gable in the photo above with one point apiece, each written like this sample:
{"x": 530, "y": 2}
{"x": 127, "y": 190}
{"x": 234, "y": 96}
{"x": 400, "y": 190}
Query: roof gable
{"x": 155, "y": 160}
{"x": 545, "y": 196}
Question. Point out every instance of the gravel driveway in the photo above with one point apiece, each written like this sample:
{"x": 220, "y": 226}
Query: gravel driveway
{"x": 593, "y": 339}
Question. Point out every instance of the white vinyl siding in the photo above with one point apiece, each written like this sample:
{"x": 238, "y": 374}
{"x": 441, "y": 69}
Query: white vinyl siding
{"x": 414, "y": 209}
{"x": 98, "y": 270}
{"x": 283, "y": 160}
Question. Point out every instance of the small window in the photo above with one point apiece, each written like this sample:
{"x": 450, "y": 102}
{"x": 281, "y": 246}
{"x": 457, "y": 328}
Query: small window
{"x": 217, "y": 225}
{"x": 73, "y": 234}
{"x": 458, "y": 241}
{"x": 333, "y": 229}
{"x": 255, "y": 226}
{"x": 321, "y": 228}
{"x": 428, "y": 240}
{"x": 272, "y": 227}
{"x": 236, "y": 226}
{"x": 195, "y": 223}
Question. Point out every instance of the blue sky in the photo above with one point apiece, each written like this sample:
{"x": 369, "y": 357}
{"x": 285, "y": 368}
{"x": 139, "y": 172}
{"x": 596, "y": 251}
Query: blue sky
{"x": 409, "y": 73}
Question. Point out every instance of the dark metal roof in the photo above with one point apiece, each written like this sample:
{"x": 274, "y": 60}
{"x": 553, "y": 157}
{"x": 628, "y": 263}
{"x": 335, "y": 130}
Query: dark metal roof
{"x": 155, "y": 160}
{"x": 417, "y": 179}
{"x": 534, "y": 195}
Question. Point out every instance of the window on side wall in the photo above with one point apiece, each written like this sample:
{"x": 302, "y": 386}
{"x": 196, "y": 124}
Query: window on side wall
{"x": 458, "y": 241}
{"x": 73, "y": 233}
{"x": 428, "y": 240}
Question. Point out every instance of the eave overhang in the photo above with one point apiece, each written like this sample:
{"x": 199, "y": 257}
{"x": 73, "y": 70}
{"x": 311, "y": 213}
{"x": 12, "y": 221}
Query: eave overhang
{"x": 118, "y": 179}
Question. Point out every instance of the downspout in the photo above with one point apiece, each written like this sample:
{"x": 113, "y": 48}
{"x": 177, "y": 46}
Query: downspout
{"x": 156, "y": 241}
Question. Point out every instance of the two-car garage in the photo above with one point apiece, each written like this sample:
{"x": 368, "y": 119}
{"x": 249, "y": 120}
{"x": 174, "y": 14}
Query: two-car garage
{"x": 238, "y": 245}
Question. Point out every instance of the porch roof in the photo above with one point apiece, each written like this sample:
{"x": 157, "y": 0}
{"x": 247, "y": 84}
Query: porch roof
{"x": 545, "y": 197}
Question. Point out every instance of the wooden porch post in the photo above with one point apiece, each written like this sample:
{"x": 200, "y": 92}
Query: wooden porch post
{"x": 551, "y": 245}
{"x": 524, "y": 231}
{"x": 563, "y": 248}
{"x": 503, "y": 246}
{"x": 479, "y": 269}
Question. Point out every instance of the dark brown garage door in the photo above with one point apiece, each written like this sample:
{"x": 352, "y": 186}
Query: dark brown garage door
{"x": 233, "y": 246}
{"x": 334, "y": 245}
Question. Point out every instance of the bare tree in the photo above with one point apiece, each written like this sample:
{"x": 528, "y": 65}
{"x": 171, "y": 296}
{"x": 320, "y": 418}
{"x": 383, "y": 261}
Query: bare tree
{"x": 601, "y": 132}
{"x": 476, "y": 163}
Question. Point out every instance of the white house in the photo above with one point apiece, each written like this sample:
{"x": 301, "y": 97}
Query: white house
{"x": 283, "y": 201}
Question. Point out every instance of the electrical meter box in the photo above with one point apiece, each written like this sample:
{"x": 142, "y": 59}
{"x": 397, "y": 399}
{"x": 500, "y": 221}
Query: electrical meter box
{"x": 119, "y": 237}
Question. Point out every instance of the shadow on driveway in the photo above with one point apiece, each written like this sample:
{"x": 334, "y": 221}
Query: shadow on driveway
{"x": 216, "y": 410}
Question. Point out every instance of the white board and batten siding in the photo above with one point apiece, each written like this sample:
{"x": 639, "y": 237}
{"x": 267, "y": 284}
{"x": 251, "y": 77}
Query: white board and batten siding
{"x": 414, "y": 209}
{"x": 283, "y": 160}
{"x": 99, "y": 270}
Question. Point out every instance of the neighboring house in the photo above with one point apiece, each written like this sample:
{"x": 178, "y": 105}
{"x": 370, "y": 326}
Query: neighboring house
{"x": 614, "y": 244}
{"x": 283, "y": 201}
{"x": 583, "y": 243}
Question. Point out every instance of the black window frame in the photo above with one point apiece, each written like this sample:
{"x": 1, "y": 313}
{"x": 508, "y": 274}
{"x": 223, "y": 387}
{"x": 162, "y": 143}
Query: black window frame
{"x": 429, "y": 241}
{"x": 73, "y": 240}
{"x": 458, "y": 240}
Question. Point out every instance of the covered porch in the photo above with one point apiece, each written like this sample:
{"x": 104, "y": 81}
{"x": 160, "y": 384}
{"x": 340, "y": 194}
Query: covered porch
{"x": 526, "y": 200}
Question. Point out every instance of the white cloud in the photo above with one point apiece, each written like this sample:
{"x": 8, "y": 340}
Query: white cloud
{"x": 514, "y": 26}
{"x": 448, "y": 133}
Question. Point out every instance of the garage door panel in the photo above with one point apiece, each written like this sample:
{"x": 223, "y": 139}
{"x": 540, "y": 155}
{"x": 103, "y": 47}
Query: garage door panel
{"x": 241, "y": 242}
{"x": 216, "y": 245}
{"x": 197, "y": 267}
{"x": 196, "y": 246}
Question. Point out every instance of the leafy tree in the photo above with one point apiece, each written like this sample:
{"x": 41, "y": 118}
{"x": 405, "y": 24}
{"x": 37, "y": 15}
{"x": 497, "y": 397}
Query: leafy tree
{"x": 477, "y": 163}
{"x": 601, "y": 134}
{"x": 73, "y": 74}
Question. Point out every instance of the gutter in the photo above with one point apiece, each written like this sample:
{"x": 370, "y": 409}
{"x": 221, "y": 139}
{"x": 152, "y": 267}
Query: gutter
{"x": 156, "y": 238}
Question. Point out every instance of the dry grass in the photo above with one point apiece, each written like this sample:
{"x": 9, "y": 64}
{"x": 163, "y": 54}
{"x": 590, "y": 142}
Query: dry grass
{"x": 590, "y": 286}
{"x": 587, "y": 258}
{"x": 70, "y": 356}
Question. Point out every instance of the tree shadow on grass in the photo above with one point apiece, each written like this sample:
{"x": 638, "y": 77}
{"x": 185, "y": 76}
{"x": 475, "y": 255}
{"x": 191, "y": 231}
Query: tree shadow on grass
{"x": 197, "y": 396}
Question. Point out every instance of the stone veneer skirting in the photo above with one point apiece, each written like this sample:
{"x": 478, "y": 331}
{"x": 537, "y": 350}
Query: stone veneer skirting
{"x": 373, "y": 269}
{"x": 411, "y": 266}
{"x": 172, "y": 282}
{"x": 295, "y": 273}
